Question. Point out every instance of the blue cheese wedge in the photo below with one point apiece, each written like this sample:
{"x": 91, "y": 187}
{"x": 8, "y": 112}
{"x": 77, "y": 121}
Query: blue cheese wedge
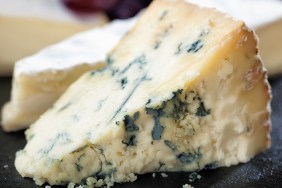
{"x": 27, "y": 26}
{"x": 183, "y": 90}
{"x": 39, "y": 80}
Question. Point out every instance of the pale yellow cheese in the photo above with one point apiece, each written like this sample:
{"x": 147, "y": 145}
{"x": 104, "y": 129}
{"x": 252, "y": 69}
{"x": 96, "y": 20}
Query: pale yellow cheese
{"x": 183, "y": 90}
{"x": 39, "y": 80}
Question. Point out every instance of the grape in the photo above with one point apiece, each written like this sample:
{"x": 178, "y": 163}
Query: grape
{"x": 126, "y": 9}
{"x": 105, "y": 5}
{"x": 120, "y": 9}
{"x": 90, "y": 5}
{"x": 79, "y": 6}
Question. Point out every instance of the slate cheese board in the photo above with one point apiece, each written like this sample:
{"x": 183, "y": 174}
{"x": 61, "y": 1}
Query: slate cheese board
{"x": 264, "y": 170}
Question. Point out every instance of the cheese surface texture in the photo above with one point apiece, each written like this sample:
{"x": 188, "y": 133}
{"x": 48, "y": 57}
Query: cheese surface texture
{"x": 27, "y": 26}
{"x": 265, "y": 17}
{"x": 183, "y": 90}
{"x": 40, "y": 79}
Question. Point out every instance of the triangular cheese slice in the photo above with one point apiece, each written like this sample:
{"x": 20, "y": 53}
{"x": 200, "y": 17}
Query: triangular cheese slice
{"x": 39, "y": 80}
{"x": 183, "y": 90}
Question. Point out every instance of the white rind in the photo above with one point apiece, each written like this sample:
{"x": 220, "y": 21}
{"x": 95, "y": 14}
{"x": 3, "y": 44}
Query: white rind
{"x": 87, "y": 47}
{"x": 53, "y": 10}
{"x": 254, "y": 13}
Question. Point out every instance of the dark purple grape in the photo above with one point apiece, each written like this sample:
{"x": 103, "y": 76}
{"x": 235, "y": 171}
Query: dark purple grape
{"x": 88, "y": 6}
{"x": 105, "y": 5}
{"x": 115, "y": 9}
{"x": 127, "y": 8}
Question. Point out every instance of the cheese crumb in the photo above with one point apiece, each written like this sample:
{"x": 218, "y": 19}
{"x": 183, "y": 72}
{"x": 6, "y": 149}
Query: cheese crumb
{"x": 154, "y": 175}
{"x": 6, "y": 166}
{"x": 99, "y": 183}
{"x": 132, "y": 177}
{"x": 193, "y": 176}
{"x": 164, "y": 175}
{"x": 91, "y": 181}
{"x": 71, "y": 185}
{"x": 199, "y": 176}
{"x": 187, "y": 186}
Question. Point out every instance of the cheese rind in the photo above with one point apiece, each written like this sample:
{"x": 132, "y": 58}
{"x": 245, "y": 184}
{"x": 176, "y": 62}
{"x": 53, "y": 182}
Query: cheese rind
{"x": 39, "y": 80}
{"x": 265, "y": 17}
{"x": 182, "y": 91}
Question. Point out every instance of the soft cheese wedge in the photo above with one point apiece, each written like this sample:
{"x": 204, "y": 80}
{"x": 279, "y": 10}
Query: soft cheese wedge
{"x": 39, "y": 80}
{"x": 183, "y": 90}
{"x": 27, "y": 26}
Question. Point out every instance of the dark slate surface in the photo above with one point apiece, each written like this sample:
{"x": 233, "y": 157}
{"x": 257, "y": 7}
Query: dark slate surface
{"x": 265, "y": 170}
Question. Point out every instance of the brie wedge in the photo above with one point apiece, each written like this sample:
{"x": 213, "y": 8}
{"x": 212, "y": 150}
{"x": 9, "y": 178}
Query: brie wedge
{"x": 40, "y": 79}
